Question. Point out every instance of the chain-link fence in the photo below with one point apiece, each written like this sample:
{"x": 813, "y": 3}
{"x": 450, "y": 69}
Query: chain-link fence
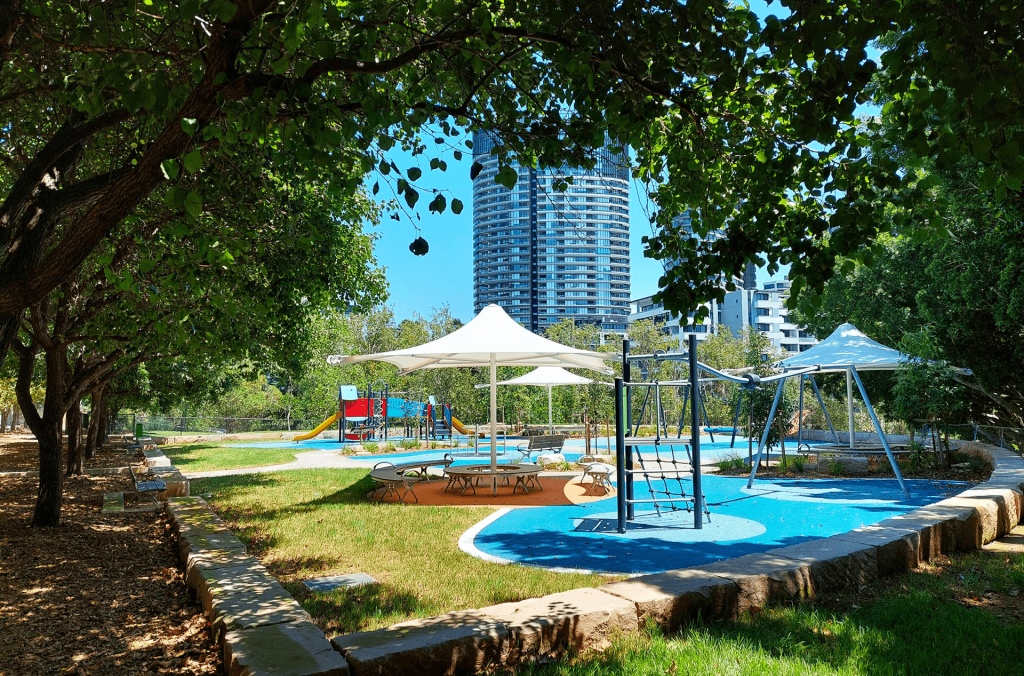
{"x": 162, "y": 425}
{"x": 121, "y": 424}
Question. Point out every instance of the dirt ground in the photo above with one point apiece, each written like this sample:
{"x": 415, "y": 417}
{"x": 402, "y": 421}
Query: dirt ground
{"x": 19, "y": 453}
{"x": 100, "y": 594}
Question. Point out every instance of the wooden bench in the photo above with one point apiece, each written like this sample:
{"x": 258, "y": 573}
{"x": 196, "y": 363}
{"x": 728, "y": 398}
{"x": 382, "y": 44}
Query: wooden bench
{"x": 148, "y": 487}
{"x": 542, "y": 442}
{"x": 390, "y": 476}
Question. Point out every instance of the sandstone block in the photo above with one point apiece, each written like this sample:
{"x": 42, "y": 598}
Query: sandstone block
{"x": 244, "y": 606}
{"x": 246, "y": 577}
{"x": 1005, "y": 500}
{"x": 186, "y": 503}
{"x": 971, "y": 522}
{"x": 764, "y": 578}
{"x": 199, "y": 562}
{"x": 929, "y": 527}
{"x": 456, "y": 643}
{"x": 549, "y": 458}
{"x": 897, "y": 549}
{"x": 675, "y": 597}
{"x": 834, "y": 564}
{"x": 205, "y": 541}
{"x": 578, "y": 619}
{"x": 156, "y": 458}
{"x": 852, "y": 465}
{"x": 199, "y": 522}
{"x": 290, "y": 649}
{"x": 177, "y": 484}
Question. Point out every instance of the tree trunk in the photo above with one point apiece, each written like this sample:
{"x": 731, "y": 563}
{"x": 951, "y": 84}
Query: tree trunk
{"x": 51, "y": 474}
{"x": 76, "y": 453}
{"x": 3, "y": 420}
{"x": 95, "y": 423}
{"x": 46, "y": 429}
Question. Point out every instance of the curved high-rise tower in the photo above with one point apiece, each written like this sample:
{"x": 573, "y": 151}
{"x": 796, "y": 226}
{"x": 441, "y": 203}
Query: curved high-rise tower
{"x": 543, "y": 255}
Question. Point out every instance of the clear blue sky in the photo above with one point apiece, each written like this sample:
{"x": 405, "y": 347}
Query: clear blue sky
{"x": 445, "y": 274}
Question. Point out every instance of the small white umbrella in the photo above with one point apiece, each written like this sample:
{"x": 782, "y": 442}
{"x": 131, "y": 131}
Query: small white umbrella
{"x": 491, "y": 339}
{"x": 548, "y": 376}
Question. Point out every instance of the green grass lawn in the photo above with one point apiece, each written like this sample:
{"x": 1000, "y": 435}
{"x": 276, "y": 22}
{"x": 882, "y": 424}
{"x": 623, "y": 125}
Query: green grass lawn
{"x": 211, "y": 456}
{"x": 312, "y": 523}
{"x": 964, "y": 617}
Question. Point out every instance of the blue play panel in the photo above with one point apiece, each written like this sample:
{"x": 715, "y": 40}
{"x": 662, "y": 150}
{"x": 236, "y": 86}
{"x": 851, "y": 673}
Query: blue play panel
{"x": 772, "y": 514}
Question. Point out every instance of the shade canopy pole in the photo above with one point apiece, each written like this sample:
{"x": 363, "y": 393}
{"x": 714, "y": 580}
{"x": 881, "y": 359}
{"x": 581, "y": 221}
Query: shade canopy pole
{"x": 551, "y": 426}
{"x": 821, "y": 402}
{"x": 764, "y": 437}
{"x": 878, "y": 429}
{"x": 800, "y": 417}
{"x": 849, "y": 402}
{"x": 494, "y": 423}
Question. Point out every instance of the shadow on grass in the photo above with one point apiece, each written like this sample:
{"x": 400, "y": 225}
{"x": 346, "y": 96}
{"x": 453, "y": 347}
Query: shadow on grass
{"x": 225, "y": 489}
{"x": 344, "y": 611}
{"x": 912, "y": 633}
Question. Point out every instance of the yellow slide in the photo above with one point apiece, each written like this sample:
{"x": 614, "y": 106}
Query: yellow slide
{"x": 462, "y": 429}
{"x": 324, "y": 425}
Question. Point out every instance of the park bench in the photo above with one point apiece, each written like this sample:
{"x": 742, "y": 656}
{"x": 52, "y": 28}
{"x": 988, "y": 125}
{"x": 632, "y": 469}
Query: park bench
{"x": 390, "y": 477}
{"x": 540, "y": 443}
{"x": 147, "y": 487}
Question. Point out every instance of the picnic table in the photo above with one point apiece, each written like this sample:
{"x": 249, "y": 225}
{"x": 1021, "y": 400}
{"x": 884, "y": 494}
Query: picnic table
{"x": 468, "y": 476}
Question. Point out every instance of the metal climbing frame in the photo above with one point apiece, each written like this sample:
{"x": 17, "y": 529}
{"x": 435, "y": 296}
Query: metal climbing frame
{"x": 653, "y": 470}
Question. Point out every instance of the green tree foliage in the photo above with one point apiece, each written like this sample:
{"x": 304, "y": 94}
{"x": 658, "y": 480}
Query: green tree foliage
{"x": 151, "y": 297}
{"x": 925, "y": 389}
{"x": 109, "y": 106}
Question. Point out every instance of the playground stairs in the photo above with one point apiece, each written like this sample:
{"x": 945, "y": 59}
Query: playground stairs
{"x": 442, "y": 429}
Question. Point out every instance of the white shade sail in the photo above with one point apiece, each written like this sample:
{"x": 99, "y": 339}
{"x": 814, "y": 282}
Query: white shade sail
{"x": 847, "y": 347}
{"x": 492, "y": 334}
{"x": 548, "y": 376}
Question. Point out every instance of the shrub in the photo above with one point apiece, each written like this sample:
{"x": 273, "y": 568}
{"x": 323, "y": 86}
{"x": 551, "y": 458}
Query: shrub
{"x": 370, "y": 446}
{"x": 835, "y": 468}
{"x": 388, "y": 446}
{"x": 731, "y": 464}
{"x": 798, "y": 463}
{"x": 409, "y": 443}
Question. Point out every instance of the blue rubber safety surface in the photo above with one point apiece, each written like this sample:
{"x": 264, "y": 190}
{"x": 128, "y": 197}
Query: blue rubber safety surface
{"x": 773, "y": 513}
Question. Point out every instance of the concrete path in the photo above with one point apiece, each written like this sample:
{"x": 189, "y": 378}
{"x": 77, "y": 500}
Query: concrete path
{"x": 329, "y": 459}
